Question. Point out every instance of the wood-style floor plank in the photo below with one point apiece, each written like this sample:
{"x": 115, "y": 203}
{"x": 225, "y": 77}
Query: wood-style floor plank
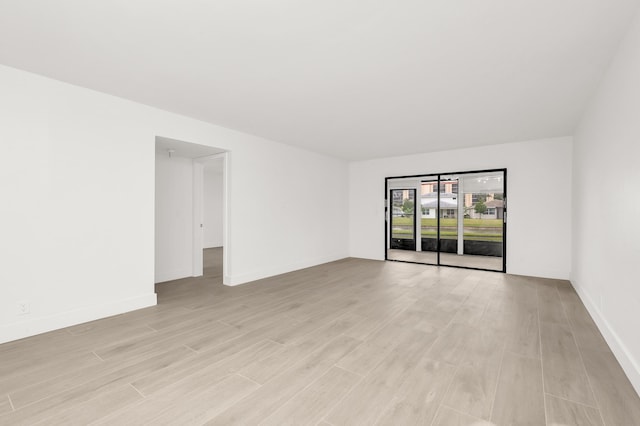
{"x": 66, "y": 399}
{"x": 231, "y": 356}
{"x": 205, "y": 405}
{"x": 5, "y": 405}
{"x": 519, "y": 398}
{"x": 618, "y": 402}
{"x": 40, "y": 371}
{"x": 25, "y": 395}
{"x": 417, "y": 400}
{"x": 473, "y": 388}
{"x": 549, "y": 304}
{"x": 349, "y": 342}
{"x": 275, "y": 393}
{"x": 564, "y": 372}
{"x": 265, "y": 369}
{"x": 523, "y": 336}
{"x": 313, "y": 403}
{"x": 368, "y": 400}
{"x": 453, "y": 343}
{"x": 96, "y": 408}
{"x": 202, "y": 397}
{"x": 568, "y": 413}
{"x": 450, "y": 417}
{"x": 369, "y": 354}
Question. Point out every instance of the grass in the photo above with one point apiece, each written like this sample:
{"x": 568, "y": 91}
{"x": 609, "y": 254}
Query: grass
{"x": 471, "y": 223}
{"x": 449, "y": 235}
{"x": 473, "y": 229}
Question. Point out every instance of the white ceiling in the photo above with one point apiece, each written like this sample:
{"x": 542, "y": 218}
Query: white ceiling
{"x": 351, "y": 78}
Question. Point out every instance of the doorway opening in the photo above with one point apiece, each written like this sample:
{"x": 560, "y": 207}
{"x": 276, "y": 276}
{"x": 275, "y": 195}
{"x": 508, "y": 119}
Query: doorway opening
{"x": 448, "y": 219}
{"x": 190, "y": 180}
{"x": 212, "y": 214}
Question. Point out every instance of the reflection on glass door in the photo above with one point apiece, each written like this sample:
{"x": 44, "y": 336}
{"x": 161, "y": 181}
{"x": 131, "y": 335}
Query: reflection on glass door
{"x": 461, "y": 220}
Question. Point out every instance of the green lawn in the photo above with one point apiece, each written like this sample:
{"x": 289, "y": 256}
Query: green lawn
{"x": 475, "y": 229}
{"x": 481, "y": 223}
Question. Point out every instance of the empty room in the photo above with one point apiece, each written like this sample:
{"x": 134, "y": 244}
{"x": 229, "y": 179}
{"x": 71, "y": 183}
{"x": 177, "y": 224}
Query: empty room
{"x": 320, "y": 213}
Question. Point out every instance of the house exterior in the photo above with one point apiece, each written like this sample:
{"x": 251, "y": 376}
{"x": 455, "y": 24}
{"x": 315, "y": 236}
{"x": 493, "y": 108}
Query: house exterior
{"x": 448, "y": 205}
{"x": 495, "y": 210}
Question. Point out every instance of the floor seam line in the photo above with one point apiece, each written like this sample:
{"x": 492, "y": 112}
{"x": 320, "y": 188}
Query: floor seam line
{"x": 11, "y": 402}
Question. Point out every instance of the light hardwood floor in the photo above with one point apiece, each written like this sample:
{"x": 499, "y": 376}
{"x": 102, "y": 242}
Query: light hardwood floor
{"x": 349, "y": 342}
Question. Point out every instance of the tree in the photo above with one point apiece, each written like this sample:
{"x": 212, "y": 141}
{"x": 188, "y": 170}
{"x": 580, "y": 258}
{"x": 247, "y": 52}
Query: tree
{"x": 407, "y": 206}
{"x": 480, "y": 208}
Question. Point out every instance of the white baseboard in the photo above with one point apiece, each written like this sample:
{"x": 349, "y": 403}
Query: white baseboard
{"x": 233, "y": 280}
{"x": 44, "y": 324}
{"x": 626, "y": 359}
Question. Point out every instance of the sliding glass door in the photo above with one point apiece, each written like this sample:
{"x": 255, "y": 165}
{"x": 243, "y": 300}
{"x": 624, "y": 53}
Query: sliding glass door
{"x": 472, "y": 224}
{"x": 460, "y": 221}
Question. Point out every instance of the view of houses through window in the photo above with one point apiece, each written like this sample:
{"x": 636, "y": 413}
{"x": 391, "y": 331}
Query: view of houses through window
{"x": 448, "y": 219}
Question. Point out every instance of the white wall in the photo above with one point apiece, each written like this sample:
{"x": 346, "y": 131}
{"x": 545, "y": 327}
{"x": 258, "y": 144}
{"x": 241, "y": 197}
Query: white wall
{"x": 212, "y": 205}
{"x": 173, "y": 217}
{"x": 606, "y": 212}
{"x": 539, "y": 200}
{"x": 77, "y": 193}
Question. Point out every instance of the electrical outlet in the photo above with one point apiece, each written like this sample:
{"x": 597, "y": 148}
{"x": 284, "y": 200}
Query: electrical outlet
{"x": 24, "y": 308}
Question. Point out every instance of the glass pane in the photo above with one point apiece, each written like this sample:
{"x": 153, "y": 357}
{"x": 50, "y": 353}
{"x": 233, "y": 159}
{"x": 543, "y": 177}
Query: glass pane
{"x": 402, "y": 217}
